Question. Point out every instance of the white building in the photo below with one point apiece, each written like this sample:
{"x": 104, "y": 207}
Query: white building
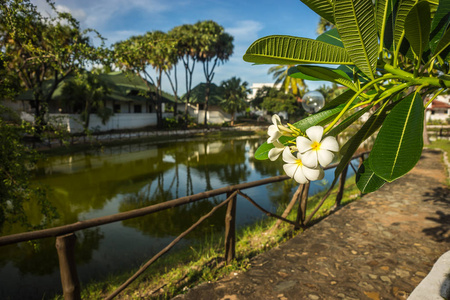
{"x": 439, "y": 109}
{"x": 257, "y": 86}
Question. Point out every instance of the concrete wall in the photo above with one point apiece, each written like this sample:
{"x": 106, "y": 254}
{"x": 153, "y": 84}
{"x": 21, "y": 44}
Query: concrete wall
{"x": 74, "y": 124}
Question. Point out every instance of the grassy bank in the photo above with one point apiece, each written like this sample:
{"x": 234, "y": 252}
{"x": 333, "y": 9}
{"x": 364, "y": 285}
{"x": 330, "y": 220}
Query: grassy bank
{"x": 202, "y": 262}
{"x": 444, "y": 145}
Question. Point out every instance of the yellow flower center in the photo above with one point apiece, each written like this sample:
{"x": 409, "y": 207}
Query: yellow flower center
{"x": 299, "y": 162}
{"x": 315, "y": 146}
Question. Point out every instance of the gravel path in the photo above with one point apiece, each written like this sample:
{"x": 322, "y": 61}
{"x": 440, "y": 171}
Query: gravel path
{"x": 379, "y": 247}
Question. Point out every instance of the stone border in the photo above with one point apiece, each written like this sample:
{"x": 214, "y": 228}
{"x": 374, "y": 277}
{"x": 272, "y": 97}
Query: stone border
{"x": 436, "y": 285}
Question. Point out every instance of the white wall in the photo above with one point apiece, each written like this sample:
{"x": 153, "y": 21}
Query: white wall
{"x": 213, "y": 116}
{"x": 116, "y": 122}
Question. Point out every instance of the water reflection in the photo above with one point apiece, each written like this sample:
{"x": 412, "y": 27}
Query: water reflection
{"x": 119, "y": 179}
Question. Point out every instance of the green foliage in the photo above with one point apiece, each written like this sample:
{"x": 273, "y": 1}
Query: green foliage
{"x": 234, "y": 93}
{"x": 393, "y": 57}
{"x": 88, "y": 91}
{"x": 36, "y": 48}
{"x": 275, "y": 100}
{"x": 289, "y": 84}
{"x": 16, "y": 160}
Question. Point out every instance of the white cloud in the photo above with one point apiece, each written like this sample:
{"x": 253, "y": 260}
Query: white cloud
{"x": 245, "y": 30}
{"x": 78, "y": 14}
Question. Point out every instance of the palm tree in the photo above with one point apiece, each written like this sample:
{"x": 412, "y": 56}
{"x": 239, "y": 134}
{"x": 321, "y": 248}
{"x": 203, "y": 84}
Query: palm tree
{"x": 216, "y": 47}
{"x": 234, "y": 94}
{"x": 289, "y": 84}
{"x": 88, "y": 91}
{"x": 187, "y": 47}
{"x": 160, "y": 57}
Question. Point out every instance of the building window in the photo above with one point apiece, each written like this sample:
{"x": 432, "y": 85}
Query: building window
{"x": 150, "y": 108}
{"x": 116, "y": 108}
{"x": 137, "y": 108}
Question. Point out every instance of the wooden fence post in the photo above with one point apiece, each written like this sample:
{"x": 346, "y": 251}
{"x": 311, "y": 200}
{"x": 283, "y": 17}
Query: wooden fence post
{"x": 340, "y": 193}
{"x": 65, "y": 246}
{"x": 230, "y": 230}
{"x": 302, "y": 205}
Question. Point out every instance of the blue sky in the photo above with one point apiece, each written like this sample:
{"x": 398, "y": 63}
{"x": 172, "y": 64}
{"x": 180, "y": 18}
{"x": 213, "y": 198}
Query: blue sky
{"x": 246, "y": 20}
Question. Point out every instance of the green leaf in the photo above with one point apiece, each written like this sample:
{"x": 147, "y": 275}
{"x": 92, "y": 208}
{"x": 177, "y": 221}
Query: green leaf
{"x": 289, "y": 50}
{"x": 342, "y": 98}
{"x": 351, "y": 71}
{"x": 318, "y": 118}
{"x": 322, "y": 73}
{"x": 369, "y": 128}
{"x": 399, "y": 30}
{"x": 366, "y": 180}
{"x": 440, "y": 23}
{"x": 417, "y": 27}
{"x": 262, "y": 152}
{"x": 323, "y": 8}
{"x": 295, "y": 73}
{"x": 399, "y": 143}
{"x": 444, "y": 77}
{"x": 355, "y": 22}
{"x": 443, "y": 45}
{"x": 385, "y": 21}
{"x": 348, "y": 121}
{"x": 331, "y": 37}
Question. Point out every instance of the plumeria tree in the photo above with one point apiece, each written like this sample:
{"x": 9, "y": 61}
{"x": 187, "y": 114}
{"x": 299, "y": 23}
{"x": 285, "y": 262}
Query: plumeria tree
{"x": 393, "y": 58}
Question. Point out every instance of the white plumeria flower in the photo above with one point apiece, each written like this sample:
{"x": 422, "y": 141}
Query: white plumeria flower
{"x": 275, "y": 152}
{"x": 314, "y": 150}
{"x": 273, "y": 131}
{"x": 295, "y": 168}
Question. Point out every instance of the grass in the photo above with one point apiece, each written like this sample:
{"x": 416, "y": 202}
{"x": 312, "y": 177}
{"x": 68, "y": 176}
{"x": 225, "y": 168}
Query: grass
{"x": 444, "y": 145}
{"x": 441, "y": 144}
{"x": 202, "y": 262}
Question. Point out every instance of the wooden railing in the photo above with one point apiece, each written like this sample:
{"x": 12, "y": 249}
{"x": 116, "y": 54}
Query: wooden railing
{"x": 65, "y": 235}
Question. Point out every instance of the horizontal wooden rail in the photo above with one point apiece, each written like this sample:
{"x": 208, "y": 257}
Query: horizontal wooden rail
{"x": 65, "y": 250}
{"x": 65, "y": 229}
{"x": 70, "y": 228}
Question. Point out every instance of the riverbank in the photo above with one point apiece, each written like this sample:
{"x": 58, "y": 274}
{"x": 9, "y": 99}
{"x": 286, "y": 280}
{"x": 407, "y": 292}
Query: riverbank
{"x": 76, "y": 143}
{"x": 203, "y": 262}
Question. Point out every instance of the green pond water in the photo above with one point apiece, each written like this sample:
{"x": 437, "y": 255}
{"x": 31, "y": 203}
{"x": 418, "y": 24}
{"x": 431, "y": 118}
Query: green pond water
{"x": 118, "y": 179}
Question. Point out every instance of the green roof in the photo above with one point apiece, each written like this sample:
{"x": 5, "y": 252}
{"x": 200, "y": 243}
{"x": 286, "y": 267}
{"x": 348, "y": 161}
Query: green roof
{"x": 123, "y": 86}
{"x": 199, "y": 91}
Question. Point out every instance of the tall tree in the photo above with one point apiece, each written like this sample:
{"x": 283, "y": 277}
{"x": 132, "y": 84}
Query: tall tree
{"x": 37, "y": 48}
{"x": 172, "y": 60}
{"x": 140, "y": 52}
{"x": 234, "y": 94}
{"x": 216, "y": 46}
{"x": 187, "y": 46}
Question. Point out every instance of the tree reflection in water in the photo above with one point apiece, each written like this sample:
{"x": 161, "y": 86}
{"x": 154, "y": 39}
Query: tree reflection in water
{"x": 119, "y": 179}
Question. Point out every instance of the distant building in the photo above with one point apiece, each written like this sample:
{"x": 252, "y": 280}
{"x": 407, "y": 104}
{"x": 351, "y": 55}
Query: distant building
{"x": 129, "y": 100}
{"x": 196, "y": 107}
{"x": 439, "y": 109}
{"x": 257, "y": 86}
